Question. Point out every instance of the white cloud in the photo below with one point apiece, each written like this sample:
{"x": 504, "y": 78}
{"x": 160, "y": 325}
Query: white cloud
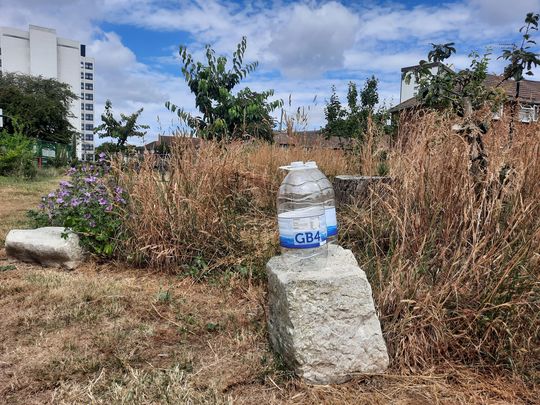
{"x": 313, "y": 40}
{"x": 303, "y": 41}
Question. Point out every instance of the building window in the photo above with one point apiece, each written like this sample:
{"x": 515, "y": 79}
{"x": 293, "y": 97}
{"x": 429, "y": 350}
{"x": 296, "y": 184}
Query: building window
{"x": 88, "y": 76}
{"x": 89, "y": 96}
{"x": 87, "y": 146}
{"x": 89, "y": 117}
{"x": 82, "y": 127}
{"x": 82, "y": 86}
{"x": 528, "y": 113}
{"x": 82, "y": 106}
{"x": 89, "y": 65}
{"x": 89, "y": 137}
{"x": 82, "y": 75}
{"x": 89, "y": 127}
{"x": 89, "y": 107}
{"x": 89, "y": 86}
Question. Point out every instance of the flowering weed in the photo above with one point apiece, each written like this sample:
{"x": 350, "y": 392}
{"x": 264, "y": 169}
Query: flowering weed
{"x": 90, "y": 203}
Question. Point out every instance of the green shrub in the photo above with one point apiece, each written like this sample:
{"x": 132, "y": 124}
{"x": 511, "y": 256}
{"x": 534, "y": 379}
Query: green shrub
{"x": 16, "y": 155}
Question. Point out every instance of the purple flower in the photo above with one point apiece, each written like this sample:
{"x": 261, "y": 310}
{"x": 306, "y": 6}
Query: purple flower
{"x": 64, "y": 183}
{"x": 102, "y": 156}
{"x": 109, "y": 208}
{"x": 103, "y": 201}
{"x": 63, "y": 193}
{"x": 75, "y": 202}
{"x": 90, "y": 179}
{"x": 92, "y": 224}
{"x": 87, "y": 216}
{"x": 71, "y": 171}
{"x": 51, "y": 195}
{"x": 59, "y": 200}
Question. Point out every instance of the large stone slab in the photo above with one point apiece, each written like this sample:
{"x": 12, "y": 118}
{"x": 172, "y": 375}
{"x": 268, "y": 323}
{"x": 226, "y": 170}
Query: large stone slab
{"x": 45, "y": 246}
{"x": 323, "y": 322}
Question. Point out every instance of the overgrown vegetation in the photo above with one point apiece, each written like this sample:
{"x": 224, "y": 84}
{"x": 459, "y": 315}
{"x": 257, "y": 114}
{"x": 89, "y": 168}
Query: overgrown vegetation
{"x": 16, "y": 153}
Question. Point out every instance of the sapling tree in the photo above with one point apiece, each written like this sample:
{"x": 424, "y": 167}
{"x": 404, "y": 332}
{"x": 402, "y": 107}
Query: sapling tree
{"x": 521, "y": 61}
{"x": 463, "y": 93}
{"x": 119, "y": 129}
{"x": 352, "y": 121}
{"x": 225, "y": 115}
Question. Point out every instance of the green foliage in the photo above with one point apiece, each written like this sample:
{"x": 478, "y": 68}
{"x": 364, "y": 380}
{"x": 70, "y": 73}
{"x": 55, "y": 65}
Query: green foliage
{"x": 42, "y": 104}
{"x": 90, "y": 204}
{"x": 352, "y": 122}
{"x": 119, "y": 129}
{"x": 522, "y": 59}
{"x": 442, "y": 88}
{"x": 16, "y": 153}
{"x": 111, "y": 148}
{"x": 225, "y": 115}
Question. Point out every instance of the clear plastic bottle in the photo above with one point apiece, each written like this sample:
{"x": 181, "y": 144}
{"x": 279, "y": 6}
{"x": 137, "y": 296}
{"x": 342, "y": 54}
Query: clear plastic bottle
{"x": 329, "y": 201}
{"x": 301, "y": 219}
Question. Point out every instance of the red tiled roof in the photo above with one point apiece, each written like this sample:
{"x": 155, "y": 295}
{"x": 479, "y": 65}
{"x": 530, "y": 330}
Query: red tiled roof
{"x": 529, "y": 92}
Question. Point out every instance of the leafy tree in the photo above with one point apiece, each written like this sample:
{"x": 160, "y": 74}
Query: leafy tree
{"x": 43, "y": 105}
{"x": 336, "y": 116}
{"x": 521, "y": 60}
{"x": 225, "y": 115}
{"x": 465, "y": 92}
{"x": 352, "y": 122}
{"x": 119, "y": 129}
{"x": 461, "y": 92}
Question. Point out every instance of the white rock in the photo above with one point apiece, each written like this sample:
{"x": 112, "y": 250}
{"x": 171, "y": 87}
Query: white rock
{"x": 45, "y": 246}
{"x": 323, "y": 323}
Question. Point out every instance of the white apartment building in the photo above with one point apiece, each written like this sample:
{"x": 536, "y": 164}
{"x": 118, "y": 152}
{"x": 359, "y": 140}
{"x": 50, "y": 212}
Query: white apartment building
{"x": 40, "y": 52}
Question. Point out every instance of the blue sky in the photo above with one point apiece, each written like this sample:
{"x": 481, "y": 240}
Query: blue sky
{"x": 303, "y": 47}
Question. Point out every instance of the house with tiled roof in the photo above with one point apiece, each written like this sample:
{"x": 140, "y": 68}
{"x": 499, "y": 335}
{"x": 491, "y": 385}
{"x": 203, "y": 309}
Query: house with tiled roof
{"x": 529, "y": 93}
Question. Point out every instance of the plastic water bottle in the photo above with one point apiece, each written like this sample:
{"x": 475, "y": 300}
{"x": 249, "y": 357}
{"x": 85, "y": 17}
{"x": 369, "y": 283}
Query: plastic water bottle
{"x": 329, "y": 201}
{"x": 302, "y": 219}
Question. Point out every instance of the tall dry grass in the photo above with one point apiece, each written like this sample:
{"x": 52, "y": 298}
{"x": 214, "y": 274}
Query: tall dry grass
{"x": 215, "y": 205}
{"x": 456, "y": 273}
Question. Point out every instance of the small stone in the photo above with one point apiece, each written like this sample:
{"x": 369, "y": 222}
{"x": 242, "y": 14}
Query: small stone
{"x": 323, "y": 322}
{"x": 45, "y": 246}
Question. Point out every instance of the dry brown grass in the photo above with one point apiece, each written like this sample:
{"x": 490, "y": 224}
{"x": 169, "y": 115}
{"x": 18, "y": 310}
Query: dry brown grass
{"x": 17, "y": 196}
{"x": 456, "y": 274}
{"x": 105, "y": 335}
{"x": 454, "y": 271}
{"x": 216, "y": 204}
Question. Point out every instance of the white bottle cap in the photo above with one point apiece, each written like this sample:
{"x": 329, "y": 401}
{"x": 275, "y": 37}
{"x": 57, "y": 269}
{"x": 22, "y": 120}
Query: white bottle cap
{"x": 298, "y": 165}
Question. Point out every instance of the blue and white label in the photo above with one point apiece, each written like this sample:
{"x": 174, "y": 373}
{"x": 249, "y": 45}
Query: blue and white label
{"x": 331, "y": 221}
{"x": 302, "y": 229}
